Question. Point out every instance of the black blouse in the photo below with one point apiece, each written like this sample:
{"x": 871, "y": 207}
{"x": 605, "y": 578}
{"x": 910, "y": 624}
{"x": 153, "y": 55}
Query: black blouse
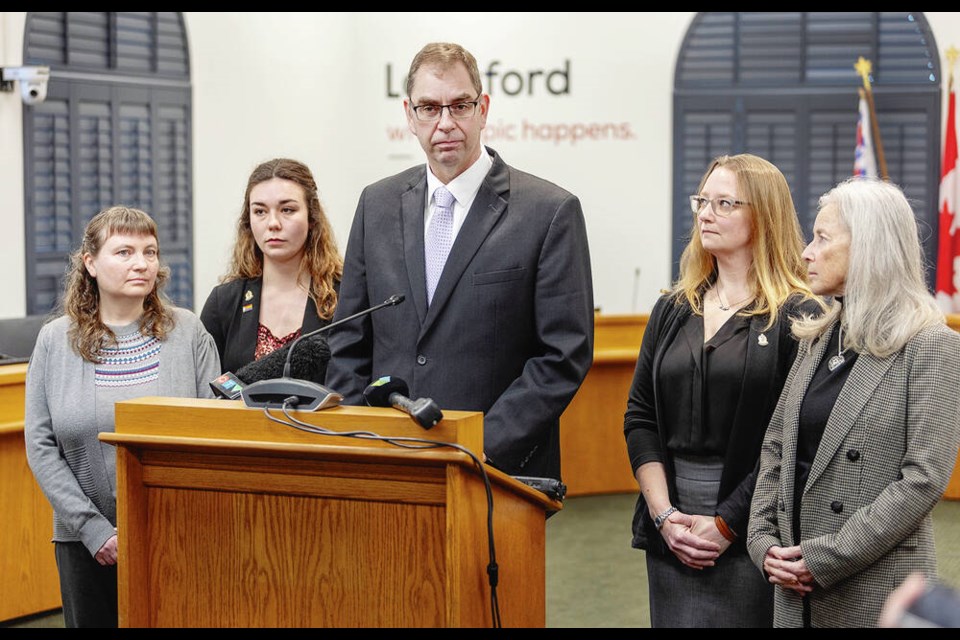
{"x": 701, "y": 383}
{"x": 818, "y": 402}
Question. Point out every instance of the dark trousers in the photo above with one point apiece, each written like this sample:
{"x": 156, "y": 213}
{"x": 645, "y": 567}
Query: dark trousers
{"x": 88, "y": 589}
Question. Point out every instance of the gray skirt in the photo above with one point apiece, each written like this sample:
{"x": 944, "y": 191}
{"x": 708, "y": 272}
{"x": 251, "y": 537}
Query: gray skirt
{"x": 732, "y": 593}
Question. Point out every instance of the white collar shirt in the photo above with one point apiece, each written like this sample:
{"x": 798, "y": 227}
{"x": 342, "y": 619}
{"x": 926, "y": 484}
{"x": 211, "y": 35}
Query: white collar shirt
{"x": 464, "y": 189}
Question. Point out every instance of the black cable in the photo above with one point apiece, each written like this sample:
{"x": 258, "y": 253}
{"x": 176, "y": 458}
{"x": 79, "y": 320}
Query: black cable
{"x": 493, "y": 570}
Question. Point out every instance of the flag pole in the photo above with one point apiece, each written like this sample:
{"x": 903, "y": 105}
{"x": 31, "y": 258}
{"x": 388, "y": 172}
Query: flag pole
{"x": 863, "y": 67}
{"x": 952, "y": 54}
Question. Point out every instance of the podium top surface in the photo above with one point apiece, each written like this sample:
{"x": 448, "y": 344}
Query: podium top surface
{"x": 232, "y": 421}
{"x": 220, "y": 425}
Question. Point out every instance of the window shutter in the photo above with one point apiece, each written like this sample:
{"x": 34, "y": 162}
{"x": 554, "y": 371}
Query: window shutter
{"x": 787, "y": 84}
{"x": 95, "y": 186}
{"x": 174, "y": 193}
{"x": 770, "y": 49}
{"x": 50, "y": 228}
{"x": 706, "y": 134}
{"x": 172, "y": 58}
{"x": 107, "y": 134}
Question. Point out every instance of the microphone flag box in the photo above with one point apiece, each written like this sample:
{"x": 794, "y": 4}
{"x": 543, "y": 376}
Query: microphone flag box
{"x": 551, "y": 486}
{"x": 227, "y": 386}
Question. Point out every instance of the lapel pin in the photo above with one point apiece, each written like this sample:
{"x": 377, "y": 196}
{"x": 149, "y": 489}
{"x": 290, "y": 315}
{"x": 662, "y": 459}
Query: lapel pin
{"x": 762, "y": 340}
{"x": 248, "y": 296}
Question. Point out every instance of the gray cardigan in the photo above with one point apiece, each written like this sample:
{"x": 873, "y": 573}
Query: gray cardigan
{"x": 74, "y": 469}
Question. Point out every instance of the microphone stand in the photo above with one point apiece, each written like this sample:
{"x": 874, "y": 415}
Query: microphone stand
{"x": 302, "y": 395}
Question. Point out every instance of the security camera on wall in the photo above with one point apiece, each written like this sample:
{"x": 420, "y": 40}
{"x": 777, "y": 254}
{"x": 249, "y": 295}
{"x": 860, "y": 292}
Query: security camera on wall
{"x": 33, "y": 82}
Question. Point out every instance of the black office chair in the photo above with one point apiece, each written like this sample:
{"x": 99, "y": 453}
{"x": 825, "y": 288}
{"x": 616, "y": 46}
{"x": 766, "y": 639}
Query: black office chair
{"x": 17, "y": 337}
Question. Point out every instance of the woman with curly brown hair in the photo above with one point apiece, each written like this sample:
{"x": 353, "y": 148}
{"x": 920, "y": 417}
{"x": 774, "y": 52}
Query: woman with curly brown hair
{"x": 118, "y": 338}
{"x": 285, "y": 271}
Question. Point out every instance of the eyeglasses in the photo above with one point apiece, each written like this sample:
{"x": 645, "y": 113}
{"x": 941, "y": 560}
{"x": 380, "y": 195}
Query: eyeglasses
{"x": 458, "y": 110}
{"x": 721, "y": 206}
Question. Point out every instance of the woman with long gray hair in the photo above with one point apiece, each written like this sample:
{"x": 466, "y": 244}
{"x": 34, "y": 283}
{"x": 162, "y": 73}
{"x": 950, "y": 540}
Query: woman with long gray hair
{"x": 864, "y": 437}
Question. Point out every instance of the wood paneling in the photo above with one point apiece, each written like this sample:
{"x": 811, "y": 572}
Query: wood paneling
{"x": 28, "y": 571}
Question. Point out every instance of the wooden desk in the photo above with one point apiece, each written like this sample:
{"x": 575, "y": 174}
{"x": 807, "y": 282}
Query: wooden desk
{"x": 28, "y": 571}
{"x": 592, "y": 445}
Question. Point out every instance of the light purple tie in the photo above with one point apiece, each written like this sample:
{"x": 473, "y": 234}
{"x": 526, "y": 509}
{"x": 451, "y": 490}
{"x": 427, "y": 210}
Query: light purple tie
{"x": 439, "y": 238}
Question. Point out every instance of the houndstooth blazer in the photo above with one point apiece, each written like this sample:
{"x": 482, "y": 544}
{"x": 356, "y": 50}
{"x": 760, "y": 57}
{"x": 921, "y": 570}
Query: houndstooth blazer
{"x": 885, "y": 459}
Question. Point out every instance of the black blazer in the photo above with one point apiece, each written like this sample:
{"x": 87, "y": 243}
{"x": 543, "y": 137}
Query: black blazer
{"x": 510, "y": 329}
{"x": 232, "y": 314}
{"x": 768, "y": 361}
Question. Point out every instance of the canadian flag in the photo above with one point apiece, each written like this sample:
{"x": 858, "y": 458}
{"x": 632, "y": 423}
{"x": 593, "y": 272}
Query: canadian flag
{"x": 948, "y": 254}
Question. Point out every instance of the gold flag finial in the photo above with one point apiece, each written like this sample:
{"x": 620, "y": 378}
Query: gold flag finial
{"x": 864, "y": 68}
{"x": 952, "y": 54}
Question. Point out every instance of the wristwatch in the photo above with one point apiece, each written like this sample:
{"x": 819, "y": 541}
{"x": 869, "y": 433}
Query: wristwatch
{"x": 661, "y": 519}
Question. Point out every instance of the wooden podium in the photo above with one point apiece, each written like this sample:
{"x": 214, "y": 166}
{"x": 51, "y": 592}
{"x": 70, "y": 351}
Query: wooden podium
{"x": 228, "y": 519}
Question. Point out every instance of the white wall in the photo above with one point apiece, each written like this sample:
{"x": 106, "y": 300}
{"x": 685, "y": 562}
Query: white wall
{"x": 313, "y": 86}
{"x": 13, "y": 286}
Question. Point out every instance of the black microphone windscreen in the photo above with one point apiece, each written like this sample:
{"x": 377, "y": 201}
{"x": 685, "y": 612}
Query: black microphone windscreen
{"x": 309, "y": 359}
{"x": 308, "y": 362}
{"x": 266, "y": 368}
{"x": 377, "y": 394}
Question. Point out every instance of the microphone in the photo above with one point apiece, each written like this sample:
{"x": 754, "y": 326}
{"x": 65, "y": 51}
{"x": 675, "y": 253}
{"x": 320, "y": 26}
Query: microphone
{"x": 550, "y": 486}
{"x": 267, "y": 390}
{"x": 227, "y": 385}
{"x": 308, "y": 363}
{"x": 392, "y": 392}
{"x": 636, "y": 289}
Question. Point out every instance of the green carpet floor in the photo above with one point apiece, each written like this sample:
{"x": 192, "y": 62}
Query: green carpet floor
{"x": 596, "y": 580}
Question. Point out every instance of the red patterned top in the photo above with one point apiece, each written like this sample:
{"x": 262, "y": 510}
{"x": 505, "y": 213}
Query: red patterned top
{"x": 268, "y": 343}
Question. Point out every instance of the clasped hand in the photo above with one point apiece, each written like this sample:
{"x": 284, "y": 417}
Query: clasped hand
{"x": 786, "y": 567}
{"x": 695, "y": 540}
{"x": 107, "y": 554}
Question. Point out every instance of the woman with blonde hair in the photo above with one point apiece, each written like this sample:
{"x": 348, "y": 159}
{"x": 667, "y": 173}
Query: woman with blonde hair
{"x": 863, "y": 440}
{"x": 118, "y": 338}
{"x": 285, "y": 271}
{"x": 714, "y": 356}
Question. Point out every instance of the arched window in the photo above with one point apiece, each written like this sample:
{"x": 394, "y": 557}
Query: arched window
{"x": 115, "y": 128}
{"x": 782, "y": 85}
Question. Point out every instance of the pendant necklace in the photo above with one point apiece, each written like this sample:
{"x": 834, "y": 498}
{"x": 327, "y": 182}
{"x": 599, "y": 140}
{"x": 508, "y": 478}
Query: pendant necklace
{"x": 837, "y": 360}
{"x": 726, "y": 307}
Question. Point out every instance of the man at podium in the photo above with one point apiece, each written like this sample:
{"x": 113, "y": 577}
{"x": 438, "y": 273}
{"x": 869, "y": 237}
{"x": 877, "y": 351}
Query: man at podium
{"x": 495, "y": 269}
